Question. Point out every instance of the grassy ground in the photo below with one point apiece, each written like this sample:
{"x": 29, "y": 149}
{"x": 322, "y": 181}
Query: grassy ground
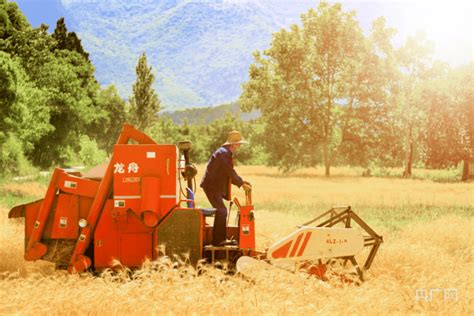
{"x": 427, "y": 227}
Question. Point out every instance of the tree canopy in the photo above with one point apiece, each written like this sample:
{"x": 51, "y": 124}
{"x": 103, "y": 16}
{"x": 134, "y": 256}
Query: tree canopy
{"x": 144, "y": 101}
{"x": 329, "y": 94}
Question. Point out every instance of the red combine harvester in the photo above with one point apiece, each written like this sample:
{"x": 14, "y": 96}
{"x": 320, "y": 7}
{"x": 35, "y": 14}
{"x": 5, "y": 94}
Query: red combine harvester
{"x": 138, "y": 205}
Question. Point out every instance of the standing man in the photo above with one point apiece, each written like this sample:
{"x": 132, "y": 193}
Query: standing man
{"x": 219, "y": 176}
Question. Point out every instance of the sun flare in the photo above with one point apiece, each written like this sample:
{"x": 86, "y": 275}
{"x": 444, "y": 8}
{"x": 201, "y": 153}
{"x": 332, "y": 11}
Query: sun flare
{"x": 448, "y": 24}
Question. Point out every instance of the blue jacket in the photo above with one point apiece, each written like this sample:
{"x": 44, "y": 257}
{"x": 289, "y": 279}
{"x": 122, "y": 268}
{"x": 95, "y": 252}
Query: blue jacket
{"x": 219, "y": 170}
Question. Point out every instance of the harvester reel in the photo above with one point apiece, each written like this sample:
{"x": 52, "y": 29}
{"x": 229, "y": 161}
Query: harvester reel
{"x": 344, "y": 215}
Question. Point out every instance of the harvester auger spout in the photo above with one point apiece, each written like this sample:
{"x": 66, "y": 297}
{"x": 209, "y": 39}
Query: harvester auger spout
{"x": 144, "y": 201}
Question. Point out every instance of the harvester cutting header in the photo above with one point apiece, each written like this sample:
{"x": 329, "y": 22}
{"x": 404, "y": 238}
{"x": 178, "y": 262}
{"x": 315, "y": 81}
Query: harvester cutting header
{"x": 138, "y": 210}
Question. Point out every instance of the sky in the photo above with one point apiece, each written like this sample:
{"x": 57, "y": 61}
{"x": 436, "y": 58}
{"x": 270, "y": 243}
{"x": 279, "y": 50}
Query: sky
{"x": 448, "y": 24}
{"x": 41, "y": 11}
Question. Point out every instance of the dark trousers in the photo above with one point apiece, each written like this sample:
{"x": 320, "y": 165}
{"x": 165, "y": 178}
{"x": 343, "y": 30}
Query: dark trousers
{"x": 220, "y": 219}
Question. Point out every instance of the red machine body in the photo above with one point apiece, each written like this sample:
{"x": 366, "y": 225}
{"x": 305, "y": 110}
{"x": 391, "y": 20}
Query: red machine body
{"x": 246, "y": 224}
{"x": 134, "y": 212}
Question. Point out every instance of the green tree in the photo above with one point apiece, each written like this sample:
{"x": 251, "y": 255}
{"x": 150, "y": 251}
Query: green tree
{"x": 23, "y": 111}
{"x": 206, "y": 137}
{"x": 11, "y": 19}
{"x": 450, "y": 119}
{"x": 164, "y": 131}
{"x": 33, "y": 49}
{"x": 48, "y": 98}
{"x": 415, "y": 64}
{"x": 12, "y": 158}
{"x": 144, "y": 102}
{"x": 71, "y": 104}
{"x": 24, "y": 115}
{"x": 60, "y": 34}
{"x": 9, "y": 80}
{"x": 106, "y": 127}
{"x": 90, "y": 154}
{"x": 308, "y": 86}
{"x": 374, "y": 132}
{"x": 465, "y": 98}
{"x": 67, "y": 40}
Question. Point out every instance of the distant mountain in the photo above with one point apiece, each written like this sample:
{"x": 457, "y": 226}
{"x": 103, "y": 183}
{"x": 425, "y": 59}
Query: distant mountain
{"x": 200, "y": 50}
{"x": 207, "y": 115}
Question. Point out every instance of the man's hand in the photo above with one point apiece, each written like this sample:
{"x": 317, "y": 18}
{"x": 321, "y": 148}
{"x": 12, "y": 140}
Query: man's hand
{"x": 246, "y": 186}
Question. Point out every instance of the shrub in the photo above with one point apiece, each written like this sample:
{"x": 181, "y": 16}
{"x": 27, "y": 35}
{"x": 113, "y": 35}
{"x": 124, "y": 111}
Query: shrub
{"x": 90, "y": 154}
{"x": 12, "y": 158}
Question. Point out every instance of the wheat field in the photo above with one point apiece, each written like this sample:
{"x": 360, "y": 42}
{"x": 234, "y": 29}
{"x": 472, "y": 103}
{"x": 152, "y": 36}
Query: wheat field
{"x": 428, "y": 246}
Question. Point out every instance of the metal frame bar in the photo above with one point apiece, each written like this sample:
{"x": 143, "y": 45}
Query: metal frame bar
{"x": 345, "y": 214}
{"x": 35, "y": 249}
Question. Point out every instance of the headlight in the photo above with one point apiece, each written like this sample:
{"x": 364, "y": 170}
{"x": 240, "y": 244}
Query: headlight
{"x": 82, "y": 223}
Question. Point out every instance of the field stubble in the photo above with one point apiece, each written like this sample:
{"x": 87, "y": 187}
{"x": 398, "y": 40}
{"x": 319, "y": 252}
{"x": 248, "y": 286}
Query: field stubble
{"x": 427, "y": 229}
